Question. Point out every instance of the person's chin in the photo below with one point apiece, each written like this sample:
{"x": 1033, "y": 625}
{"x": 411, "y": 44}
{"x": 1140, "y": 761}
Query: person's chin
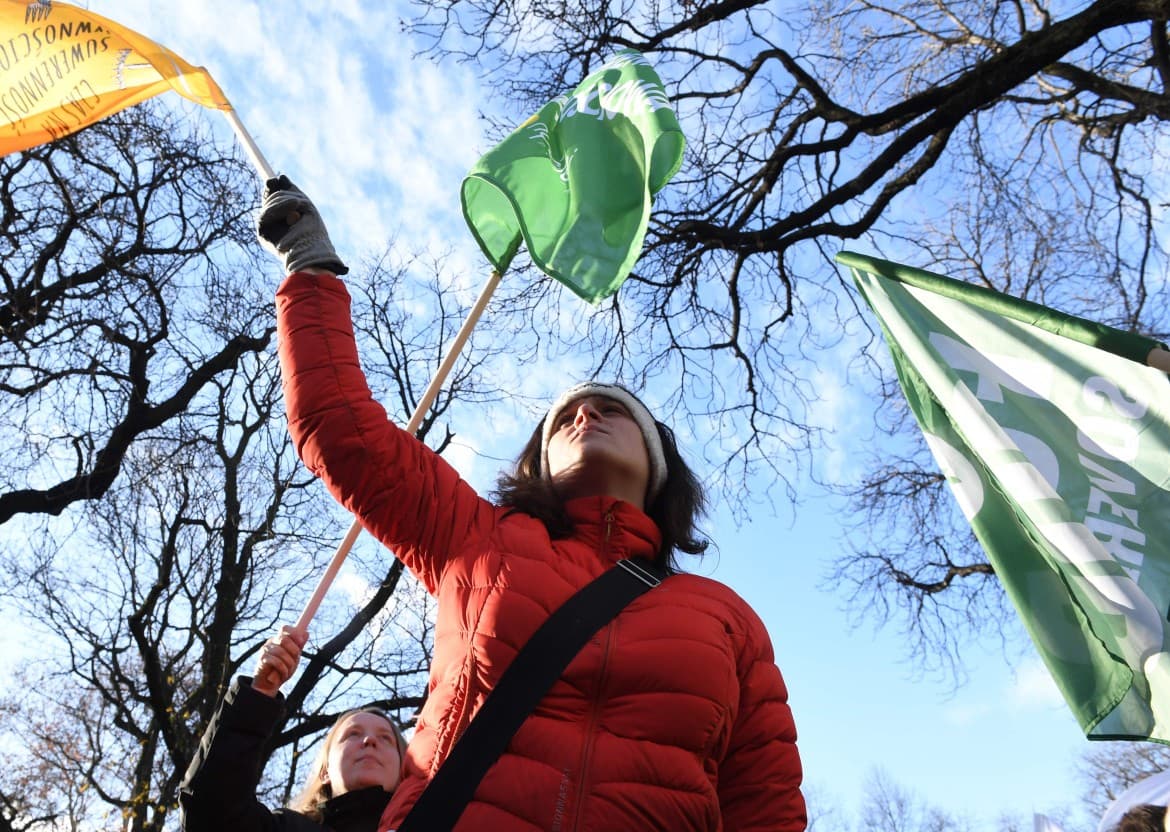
{"x": 580, "y": 475}
{"x": 369, "y": 781}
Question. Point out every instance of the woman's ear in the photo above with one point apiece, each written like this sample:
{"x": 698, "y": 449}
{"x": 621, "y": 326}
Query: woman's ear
{"x": 324, "y": 775}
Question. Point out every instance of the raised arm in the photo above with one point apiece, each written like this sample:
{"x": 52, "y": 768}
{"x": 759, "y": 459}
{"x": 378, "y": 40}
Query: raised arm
{"x": 401, "y": 491}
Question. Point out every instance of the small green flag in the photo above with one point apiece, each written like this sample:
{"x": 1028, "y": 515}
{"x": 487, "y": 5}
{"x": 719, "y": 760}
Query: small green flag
{"x": 1055, "y": 439}
{"x": 576, "y": 180}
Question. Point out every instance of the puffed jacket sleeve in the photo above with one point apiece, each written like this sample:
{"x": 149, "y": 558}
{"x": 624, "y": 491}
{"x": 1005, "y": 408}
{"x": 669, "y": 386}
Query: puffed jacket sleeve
{"x": 218, "y": 793}
{"x": 760, "y": 775}
{"x": 403, "y": 493}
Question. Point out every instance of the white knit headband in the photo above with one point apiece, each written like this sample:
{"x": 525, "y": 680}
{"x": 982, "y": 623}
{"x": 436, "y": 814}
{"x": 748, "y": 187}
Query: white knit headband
{"x": 638, "y": 411}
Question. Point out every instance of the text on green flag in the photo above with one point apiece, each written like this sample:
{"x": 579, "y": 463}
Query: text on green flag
{"x": 1056, "y": 444}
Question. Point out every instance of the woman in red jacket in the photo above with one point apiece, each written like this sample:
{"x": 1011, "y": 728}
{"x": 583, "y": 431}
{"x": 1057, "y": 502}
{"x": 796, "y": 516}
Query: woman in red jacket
{"x": 673, "y": 717}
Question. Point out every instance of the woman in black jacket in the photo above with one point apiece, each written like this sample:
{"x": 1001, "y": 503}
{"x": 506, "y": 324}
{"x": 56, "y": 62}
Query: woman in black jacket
{"x": 356, "y": 770}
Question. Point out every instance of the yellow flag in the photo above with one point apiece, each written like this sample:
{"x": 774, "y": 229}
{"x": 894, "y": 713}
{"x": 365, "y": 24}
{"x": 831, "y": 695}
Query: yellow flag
{"x": 63, "y": 68}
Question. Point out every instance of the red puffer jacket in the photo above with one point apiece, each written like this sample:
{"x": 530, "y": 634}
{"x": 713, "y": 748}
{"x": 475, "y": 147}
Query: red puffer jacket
{"x": 673, "y": 718}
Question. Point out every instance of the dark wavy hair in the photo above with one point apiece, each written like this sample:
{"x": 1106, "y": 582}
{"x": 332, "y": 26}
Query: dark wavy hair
{"x": 1144, "y": 818}
{"x": 675, "y": 510}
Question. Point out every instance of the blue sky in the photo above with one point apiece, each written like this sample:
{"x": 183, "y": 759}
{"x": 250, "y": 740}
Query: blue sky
{"x": 334, "y": 96}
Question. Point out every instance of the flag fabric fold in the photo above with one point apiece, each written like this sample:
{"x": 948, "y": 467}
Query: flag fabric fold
{"x": 1055, "y": 439}
{"x": 575, "y": 182}
{"x": 63, "y": 68}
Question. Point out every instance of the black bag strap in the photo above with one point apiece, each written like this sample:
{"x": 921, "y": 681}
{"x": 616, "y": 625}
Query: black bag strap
{"x": 525, "y": 682}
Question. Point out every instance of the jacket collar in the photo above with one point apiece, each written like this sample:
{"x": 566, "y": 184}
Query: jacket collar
{"x": 616, "y": 528}
{"x": 356, "y": 811}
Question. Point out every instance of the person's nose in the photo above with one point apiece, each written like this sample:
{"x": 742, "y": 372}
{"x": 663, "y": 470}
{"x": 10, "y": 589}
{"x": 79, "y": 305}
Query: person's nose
{"x": 369, "y": 739}
{"x": 586, "y": 412}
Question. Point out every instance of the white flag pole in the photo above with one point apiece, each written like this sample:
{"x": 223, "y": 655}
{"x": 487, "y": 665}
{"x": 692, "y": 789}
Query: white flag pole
{"x": 420, "y": 410}
{"x": 250, "y": 147}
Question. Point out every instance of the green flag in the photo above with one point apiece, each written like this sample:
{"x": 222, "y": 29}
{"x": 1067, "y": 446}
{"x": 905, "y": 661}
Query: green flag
{"x": 575, "y": 181}
{"x": 1055, "y": 438}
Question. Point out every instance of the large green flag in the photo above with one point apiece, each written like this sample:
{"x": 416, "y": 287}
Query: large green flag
{"x": 1055, "y": 438}
{"x": 576, "y": 180}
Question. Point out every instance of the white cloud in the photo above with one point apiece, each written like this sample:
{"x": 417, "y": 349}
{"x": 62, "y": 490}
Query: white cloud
{"x": 334, "y": 95}
{"x": 964, "y": 714}
{"x": 356, "y": 589}
{"x": 1029, "y": 689}
{"x": 1034, "y": 688}
{"x": 464, "y": 456}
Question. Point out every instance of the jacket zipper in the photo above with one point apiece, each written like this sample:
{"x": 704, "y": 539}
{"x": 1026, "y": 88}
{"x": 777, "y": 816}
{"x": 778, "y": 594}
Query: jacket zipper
{"x": 591, "y": 730}
{"x": 595, "y": 707}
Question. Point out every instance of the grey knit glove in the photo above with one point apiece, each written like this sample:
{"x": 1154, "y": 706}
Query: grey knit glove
{"x": 290, "y": 227}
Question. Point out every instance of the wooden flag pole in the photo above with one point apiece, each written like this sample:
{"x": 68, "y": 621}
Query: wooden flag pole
{"x": 416, "y": 418}
{"x": 1159, "y": 359}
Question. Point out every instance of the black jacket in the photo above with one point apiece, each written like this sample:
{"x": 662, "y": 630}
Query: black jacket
{"x": 219, "y": 790}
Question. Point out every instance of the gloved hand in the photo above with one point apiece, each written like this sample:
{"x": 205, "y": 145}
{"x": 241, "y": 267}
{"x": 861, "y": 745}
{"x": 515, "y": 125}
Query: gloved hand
{"x": 290, "y": 227}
